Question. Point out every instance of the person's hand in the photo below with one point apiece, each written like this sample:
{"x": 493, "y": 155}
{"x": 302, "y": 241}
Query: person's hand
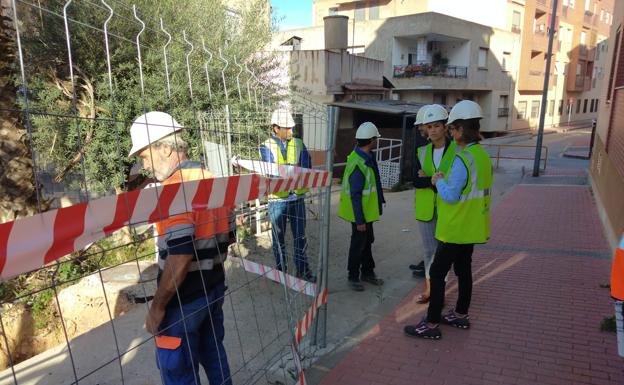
{"x": 153, "y": 319}
{"x": 361, "y": 228}
{"x": 421, "y": 173}
{"x": 437, "y": 176}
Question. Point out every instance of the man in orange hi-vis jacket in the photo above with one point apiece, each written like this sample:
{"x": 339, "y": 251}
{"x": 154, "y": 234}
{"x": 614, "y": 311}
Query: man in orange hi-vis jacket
{"x": 186, "y": 315}
{"x": 617, "y": 292}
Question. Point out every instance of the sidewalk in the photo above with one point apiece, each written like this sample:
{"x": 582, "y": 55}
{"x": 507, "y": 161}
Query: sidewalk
{"x": 536, "y": 311}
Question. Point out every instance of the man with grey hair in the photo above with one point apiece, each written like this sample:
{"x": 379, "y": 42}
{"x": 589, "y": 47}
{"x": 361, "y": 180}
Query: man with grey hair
{"x": 186, "y": 315}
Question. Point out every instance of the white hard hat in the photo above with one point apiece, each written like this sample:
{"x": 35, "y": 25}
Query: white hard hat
{"x": 367, "y": 130}
{"x": 283, "y": 118}
{"x": 419, "y": 115}
{"x": 434, "y": 113}
{"x": 466, "y": 109}
{"x": 150, "y": 128}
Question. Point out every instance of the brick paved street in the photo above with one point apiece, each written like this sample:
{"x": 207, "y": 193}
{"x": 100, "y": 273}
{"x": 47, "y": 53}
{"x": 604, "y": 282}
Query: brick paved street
{"x": 536, "y": 311}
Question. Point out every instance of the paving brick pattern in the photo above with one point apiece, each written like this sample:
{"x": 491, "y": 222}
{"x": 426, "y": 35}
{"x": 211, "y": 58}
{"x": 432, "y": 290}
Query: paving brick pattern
{"x": 536, "y": 309}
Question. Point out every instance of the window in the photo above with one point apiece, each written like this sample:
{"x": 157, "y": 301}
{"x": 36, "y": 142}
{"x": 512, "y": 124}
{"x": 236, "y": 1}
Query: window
{"x": 587, "y": 5}
{"x": 522, "y": 106}
{"x": 607, "y": 18}
{"x": 601, "y": 14}
{"x": 333, "y": 11}
{"x": 506, "y": 64}
{"x": 373, "y": 10}
{"x": 503, "y": 106}
{"x": 583, "y": 37}
{"x": 515, "y": 22}
{"x": 596, "y": 107}
{"x": 551, "y": 107}
{"x": 468, "y": 96}
{"x": 578, "y": 106}
{"x": 571, "y": 2}
{"x": 591, "y": 107}
{"x": 535, "y": 107}
{"x": 483, "y": 58}
{"x": 585, "y": 106}
{"x": 560, "y": 107}
{"x": 359, "y": 12}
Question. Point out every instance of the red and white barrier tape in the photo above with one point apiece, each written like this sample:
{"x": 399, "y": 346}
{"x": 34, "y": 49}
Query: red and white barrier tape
{"x": 298, "y": 365}
{"x": 304, "y": 324}
{"x": 275, "y": 275}
{"x": 29, "y": 243}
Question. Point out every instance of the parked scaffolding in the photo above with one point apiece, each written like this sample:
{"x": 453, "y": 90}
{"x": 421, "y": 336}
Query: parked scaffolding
{"x": 77, "y": 277}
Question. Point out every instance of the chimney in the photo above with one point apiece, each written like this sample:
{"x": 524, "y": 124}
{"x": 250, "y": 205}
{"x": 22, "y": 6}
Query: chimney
{"x": 336, "y": 32}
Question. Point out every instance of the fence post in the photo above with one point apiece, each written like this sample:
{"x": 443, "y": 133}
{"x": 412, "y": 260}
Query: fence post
{"x": 228, "y": 133}
{"x": 332, "y": 124}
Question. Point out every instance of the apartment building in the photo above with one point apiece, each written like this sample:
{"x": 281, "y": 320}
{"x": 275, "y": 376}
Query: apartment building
{"x": 432, "y": 57}
{"x": 607, "y": 162}
{"x": 579, "y": 52}
{"x": 578, "y": 60}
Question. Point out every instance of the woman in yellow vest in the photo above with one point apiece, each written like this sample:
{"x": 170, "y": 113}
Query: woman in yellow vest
{"x": 361, "y": 200}
{"x": 617, "y": 292}
{"x": 436, "y": 156}
{"x": 463, "y": 204}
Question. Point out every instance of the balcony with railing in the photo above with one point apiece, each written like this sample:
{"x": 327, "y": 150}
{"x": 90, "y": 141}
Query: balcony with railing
{"x": 579, "y": 81}
{"x": 503, "y": 111}
{"x": 516, "y": 29}
{"x": 422, "y": 70}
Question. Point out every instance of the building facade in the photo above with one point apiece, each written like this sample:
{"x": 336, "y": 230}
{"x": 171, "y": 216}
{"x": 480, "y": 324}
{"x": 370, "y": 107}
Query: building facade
{"x": 578, "y": 59}
{"x": 462, "y": 30}
{"x": 433, "y": 58}
{"x": 607, "y": 161}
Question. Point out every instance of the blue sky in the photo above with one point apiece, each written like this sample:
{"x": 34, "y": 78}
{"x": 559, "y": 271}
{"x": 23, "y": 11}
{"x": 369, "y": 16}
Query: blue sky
{"x": 293, "y": 13}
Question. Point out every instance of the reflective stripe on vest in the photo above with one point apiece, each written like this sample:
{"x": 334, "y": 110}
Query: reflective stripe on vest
{"x": 370, "y": 199}
{"x": 294, "y": 148}
{"x": 425, "y": 198}
{"x": 210, "y": 226}
{"x": 203, "y": 264}
{"x": 617, "y": 272}
{"x": 468, "y": 221}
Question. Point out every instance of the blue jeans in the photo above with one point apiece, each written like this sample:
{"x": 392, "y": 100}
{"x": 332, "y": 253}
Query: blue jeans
{"x": 293, "y": 211}
{"x": 200, "y": 326}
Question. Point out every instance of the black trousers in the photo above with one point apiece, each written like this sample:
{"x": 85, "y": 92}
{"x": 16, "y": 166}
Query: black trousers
{"x": 360, "y": 254}
{"x": 460, "y": 258}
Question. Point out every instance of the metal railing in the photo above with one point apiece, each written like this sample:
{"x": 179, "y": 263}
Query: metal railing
{"x": 579, "y": 81}
{"x": 498, "y": 155}
{"x": 516, "y": 29}
{"x": 421, "y": 70}
{"x": 504, "y": 111}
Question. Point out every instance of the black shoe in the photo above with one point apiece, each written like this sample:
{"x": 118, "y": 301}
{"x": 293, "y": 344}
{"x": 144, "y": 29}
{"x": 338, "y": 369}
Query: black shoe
{"x": 307, "y": 276}
{"x": 421, "y": 330}
{"x": 373, "y": 280}
{"x": 418, "y": 273}
{"x": 452, "y": 319}
{"x": 420, "y": 266}
{"x": 356, "y": 285}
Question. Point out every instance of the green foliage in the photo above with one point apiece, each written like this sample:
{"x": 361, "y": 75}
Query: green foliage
{"x": 42, "y": 309}
{"x": 82, "y": 130}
